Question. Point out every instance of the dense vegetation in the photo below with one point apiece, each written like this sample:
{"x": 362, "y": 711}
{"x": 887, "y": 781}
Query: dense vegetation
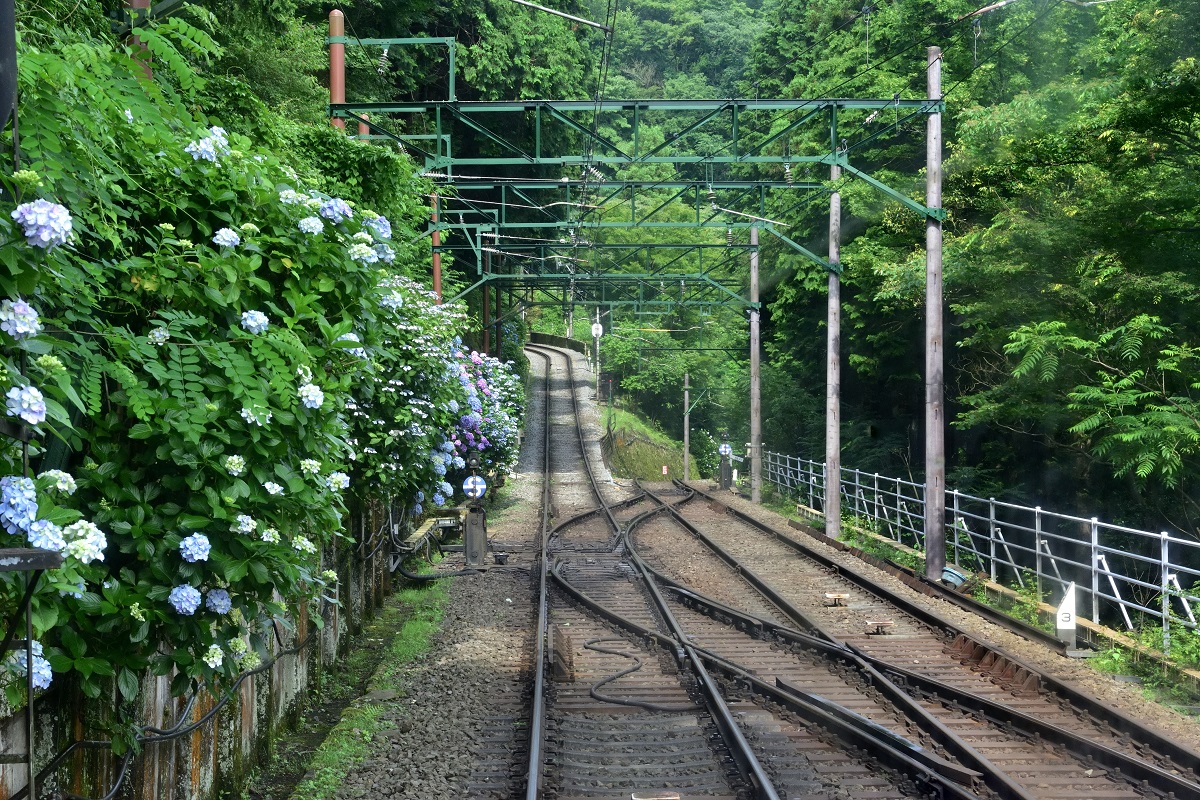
{"x": 195, "y": 294}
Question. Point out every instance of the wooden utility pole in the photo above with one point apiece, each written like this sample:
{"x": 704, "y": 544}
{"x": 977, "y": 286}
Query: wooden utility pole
{"x": 833, "y": 365}
{"x": 755, "y": 377}
{"x": 687, "y": 429}
{"x": 337, "y": 64}
{"x": 139, "y": 10}
{"x": 935, "y": 416}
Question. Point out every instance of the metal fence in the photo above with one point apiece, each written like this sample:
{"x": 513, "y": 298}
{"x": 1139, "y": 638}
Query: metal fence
{"x": 1121, "y": 574}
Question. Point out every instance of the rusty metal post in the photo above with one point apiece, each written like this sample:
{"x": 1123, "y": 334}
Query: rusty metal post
{"x": 337, "y": 63}
{"x": 137, "y": 9}
{"x": 364, "y": 130}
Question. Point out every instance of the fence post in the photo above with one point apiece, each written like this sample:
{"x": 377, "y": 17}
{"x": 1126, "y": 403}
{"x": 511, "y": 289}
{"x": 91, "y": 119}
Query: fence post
{"x": 954, "y": 528}
{"x": 1166, "y": 592}
{"x": 811, "y": 475}
{"x": 875, "y": 500}
{"x": 1037, "y": 548}
{"x": 1096, "y": 570}
{"x": 992, "y": 536}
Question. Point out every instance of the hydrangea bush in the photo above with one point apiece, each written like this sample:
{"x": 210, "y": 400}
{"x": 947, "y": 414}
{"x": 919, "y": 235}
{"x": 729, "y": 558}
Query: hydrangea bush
{"x": 216, "y": 359}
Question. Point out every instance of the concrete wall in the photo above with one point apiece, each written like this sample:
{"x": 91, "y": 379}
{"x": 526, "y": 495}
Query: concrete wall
{"x": 217, "y": 755}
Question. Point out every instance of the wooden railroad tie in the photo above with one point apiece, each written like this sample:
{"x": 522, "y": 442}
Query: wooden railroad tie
{"x": 876, "y": 627}
{"x": 836, "y": 598}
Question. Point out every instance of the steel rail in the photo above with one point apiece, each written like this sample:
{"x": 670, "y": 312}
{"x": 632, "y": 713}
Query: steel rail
{"x": 537, "y": 713}
{"x": 1155, "y": 741}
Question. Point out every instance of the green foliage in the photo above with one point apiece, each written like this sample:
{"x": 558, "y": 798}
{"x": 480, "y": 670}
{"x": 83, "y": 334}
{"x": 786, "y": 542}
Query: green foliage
{"x": 178, "y": 416}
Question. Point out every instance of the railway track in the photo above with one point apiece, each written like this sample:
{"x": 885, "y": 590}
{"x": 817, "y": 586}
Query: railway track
{"x": 758, "y": 599}
{"x": 628, "y": 704}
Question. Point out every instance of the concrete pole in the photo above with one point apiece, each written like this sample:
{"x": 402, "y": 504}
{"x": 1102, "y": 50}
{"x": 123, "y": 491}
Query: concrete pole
{"x": 596, "y": 360}
{"x": 833, "y": 368}
{"x": 436, "y": 238}
{"x": 337, "y": 64}
{"x": 755, "y": 378}
{"x": 687, "y": 429}
{"x": 487, "y": 305}
{"x": 935, "y": 414}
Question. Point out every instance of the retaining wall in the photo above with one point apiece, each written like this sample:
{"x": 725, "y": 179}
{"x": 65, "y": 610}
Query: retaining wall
{"x": 215, "y": 755}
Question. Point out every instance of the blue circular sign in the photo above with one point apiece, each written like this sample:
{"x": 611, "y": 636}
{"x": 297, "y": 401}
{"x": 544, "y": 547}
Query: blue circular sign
{"x": 725, "y": 449}
{"x": 474, "y": 487}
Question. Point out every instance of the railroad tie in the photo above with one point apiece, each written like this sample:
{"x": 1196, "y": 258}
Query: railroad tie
{"x": 562, "y": 657}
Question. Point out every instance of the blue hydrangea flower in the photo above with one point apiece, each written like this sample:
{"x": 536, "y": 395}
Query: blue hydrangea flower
{"x": 438, "y": 500}
{"x": 27, "y": 403}
{"x": 311, "y": 225}
{"x": 418, "y": 510}
{"x": 245, "y": 524}
{"x": 255, "y": 321}
{"x": 226, "y": 237}
{"x": 290, "y": 197}
{"x": 392, "y": 301}
{"x": 459, "y": 463}
{"x": 446, "y": 488}
{"x": 195, "y": 548}
{"x": 42, "y": 674}
{"x": 446, "y": 446}
{"x": 439, "y": 468}
{"x": 85, "y": 541}
{"x": 210, "y": 147}
{"x": 311, "y": 395}
{"x": 453, "y": 406}
{"x": 159, "y": 336}
{"x": 420, "y": 496}
{"x": 184, "y": 599}
{"x": 45, "y": 224}
{"x": 384, "y": 253}
{"x": 18, "y": 504}
{"x": 45, "y": 534}
{"x": 337, "y": 481}
{"x": 475, "y": 404}
{"x": 335, "y": 210}
{"x": 218, "y": 601}
{"x": 380, "y": 226}
{"x": 19, "y": 319}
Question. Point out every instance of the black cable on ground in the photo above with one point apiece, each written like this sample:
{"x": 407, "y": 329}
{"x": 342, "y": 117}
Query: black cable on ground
{"x": 595, "y": 693}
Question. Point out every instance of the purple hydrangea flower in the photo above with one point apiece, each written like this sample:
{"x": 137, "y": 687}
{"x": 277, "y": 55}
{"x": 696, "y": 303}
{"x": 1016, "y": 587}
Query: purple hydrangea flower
{"x": 27, "y": 403}
{"x": 218, "y": 601}
{"x": 195, "y": 548}
{"x": 45, "y": 224}
{"x": 19, "y": 319}
{"x": 335, "y": 210}
{"x": 184, "y": 599}
{"x": 226, "y": 237}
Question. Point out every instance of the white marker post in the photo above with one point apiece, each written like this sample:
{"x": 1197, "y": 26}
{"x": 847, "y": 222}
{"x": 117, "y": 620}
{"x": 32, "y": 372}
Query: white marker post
{"x": 1065, "y": 618}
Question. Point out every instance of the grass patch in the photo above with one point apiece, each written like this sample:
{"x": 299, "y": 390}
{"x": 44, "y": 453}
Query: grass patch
{"x": 350, "y": 741}
{"x": 637, "y": 449}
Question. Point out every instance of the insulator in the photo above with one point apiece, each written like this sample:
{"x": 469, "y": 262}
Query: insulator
{"x": 712, "y": 197}
{"x": 787, "y": 173}
{"x": 383, "y": 61}
{"x": 729, "y": 236}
